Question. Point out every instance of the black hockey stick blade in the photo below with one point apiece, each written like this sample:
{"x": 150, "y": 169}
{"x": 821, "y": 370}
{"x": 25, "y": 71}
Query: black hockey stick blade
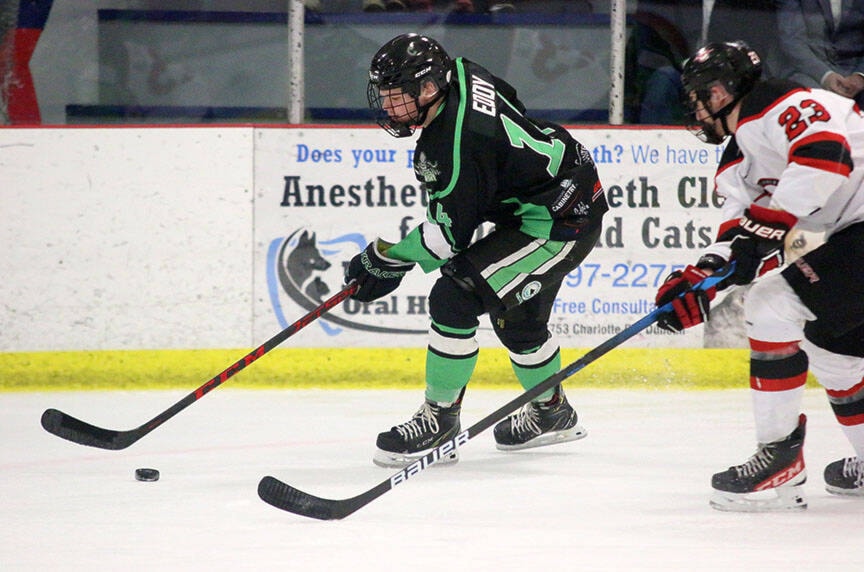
{"x": 67, "y": 427}
{"x": 283, "y": 496}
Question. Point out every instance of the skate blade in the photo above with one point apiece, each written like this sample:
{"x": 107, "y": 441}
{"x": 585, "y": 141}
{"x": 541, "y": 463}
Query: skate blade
{"x": 782, "y": 499}
{"x": 391, "y": 460}
{"x": 859, "y": 492}
{"x": 552, "y": 438}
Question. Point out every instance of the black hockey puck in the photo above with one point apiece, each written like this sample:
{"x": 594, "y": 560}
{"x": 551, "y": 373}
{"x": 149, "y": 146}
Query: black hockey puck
{"x": 146, "y": 475}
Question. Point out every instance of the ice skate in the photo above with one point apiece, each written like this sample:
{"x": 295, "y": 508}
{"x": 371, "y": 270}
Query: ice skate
{"x": 845, "y": 477}
{"x": 536, "y": 425}
{"x": 433, "y": 424}
{"x": 771, "y": 480}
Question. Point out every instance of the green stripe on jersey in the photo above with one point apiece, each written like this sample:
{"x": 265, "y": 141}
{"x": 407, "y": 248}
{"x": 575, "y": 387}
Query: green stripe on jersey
{"x": 525, "y": 265}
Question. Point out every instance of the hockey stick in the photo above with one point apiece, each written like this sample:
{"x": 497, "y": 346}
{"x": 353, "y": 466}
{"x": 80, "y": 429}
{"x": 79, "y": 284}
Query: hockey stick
{"x": 285, "y": 497}
{"x": 77, "y": 431}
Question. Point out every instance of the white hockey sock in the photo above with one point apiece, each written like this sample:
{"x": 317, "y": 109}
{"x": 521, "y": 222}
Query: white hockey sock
{"x": 855, "y": 434}
{"x": 776, "y": 413}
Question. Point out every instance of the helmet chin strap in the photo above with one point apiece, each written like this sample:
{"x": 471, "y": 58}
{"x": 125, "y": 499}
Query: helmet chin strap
{"x": 423, "y": 110}
{"x": 720, "y": 116}
{"x": 405, "y": 129}
{"x": 723, "y": 114}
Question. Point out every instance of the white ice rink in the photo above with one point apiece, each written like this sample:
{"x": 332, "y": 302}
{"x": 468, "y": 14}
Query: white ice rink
{"x": 633, "y": 495}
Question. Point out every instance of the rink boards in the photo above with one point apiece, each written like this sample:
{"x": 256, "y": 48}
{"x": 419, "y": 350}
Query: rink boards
{"x": 146, "y": 256}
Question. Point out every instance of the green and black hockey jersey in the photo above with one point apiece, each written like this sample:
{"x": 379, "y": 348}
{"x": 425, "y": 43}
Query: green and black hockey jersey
{"x": 482, "y": 160}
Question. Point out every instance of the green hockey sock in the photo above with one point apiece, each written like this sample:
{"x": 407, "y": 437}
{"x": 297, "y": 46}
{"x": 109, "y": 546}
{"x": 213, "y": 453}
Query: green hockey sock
{"x": 532, "y": 375}
{"x": 446, "y": 376}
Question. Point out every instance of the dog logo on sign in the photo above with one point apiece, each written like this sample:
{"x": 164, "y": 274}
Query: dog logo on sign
{"x": 300, "y": 267}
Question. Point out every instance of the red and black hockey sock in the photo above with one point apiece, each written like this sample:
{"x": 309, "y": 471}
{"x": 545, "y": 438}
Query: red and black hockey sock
{"x": 848, "y": 407}
{"x": 779, "y": 372}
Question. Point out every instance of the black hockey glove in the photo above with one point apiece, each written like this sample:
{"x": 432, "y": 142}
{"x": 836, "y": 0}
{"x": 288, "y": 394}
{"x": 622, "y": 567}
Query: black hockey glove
{"x": 376, "y": 275}
{"x": 688, "y": 310}
{"x": 757, "y": 242}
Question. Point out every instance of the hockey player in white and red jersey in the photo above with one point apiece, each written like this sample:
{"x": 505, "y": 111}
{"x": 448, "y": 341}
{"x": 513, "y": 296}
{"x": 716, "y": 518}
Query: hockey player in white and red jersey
{"x": 794, "y": 158}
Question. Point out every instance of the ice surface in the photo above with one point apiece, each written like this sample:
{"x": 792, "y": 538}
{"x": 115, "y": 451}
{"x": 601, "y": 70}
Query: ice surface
{"x": 633, "y": 495}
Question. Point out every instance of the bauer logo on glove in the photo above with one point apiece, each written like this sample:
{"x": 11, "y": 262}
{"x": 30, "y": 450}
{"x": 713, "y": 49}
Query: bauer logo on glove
{"x": 757, "y": 242}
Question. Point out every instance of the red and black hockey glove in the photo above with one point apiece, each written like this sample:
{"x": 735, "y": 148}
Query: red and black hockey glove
{"x": 757, "y": 242}
{"x": 688, "y": 310}
{"x": 376, "y": 274}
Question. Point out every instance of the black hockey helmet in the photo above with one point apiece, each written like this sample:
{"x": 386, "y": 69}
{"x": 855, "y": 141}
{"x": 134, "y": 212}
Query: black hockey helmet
{"x": 407, "y": 62}
{"x": 734, "y": 65}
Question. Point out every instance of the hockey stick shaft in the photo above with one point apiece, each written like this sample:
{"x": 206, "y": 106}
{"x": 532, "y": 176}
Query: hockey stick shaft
{"x": 286, "y": 497}
{"x": 67, "y": 427}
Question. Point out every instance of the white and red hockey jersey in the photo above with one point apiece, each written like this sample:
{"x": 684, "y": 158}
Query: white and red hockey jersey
{"x": 795, "y": 149}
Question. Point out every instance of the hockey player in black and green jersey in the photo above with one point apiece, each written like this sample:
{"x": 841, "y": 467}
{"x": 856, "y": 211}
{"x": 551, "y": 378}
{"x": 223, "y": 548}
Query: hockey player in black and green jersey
{"x": 480, "y": 159}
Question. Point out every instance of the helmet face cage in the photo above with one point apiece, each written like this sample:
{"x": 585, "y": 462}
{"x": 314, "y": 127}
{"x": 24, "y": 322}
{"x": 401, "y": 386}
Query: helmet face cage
{"x": 382, "y": 118}
{"x": 406, "y": 63}
{"x": 735, "y": 66}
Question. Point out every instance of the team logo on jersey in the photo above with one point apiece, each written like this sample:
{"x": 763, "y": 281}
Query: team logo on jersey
{"x": 426, "y": 170}
{"x": 529, "y": 291}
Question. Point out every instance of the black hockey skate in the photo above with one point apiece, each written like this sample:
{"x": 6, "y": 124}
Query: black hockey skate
{"x": 845, "y": 477}
{"x": 432, "y": 425}
{"x": 776, "y": 467}
{"x": 536, "y": 425}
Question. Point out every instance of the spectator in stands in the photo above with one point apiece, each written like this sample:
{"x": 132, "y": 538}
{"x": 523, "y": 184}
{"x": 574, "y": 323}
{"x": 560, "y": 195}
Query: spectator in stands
{"x": 824, "y": 42}
{"x": 490, "y": 6}
{"x": 753, "y": 22}
{"x": 465, "y": 6}
{"x": 397, "y": 5}
{"x": 665, "y": 32}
